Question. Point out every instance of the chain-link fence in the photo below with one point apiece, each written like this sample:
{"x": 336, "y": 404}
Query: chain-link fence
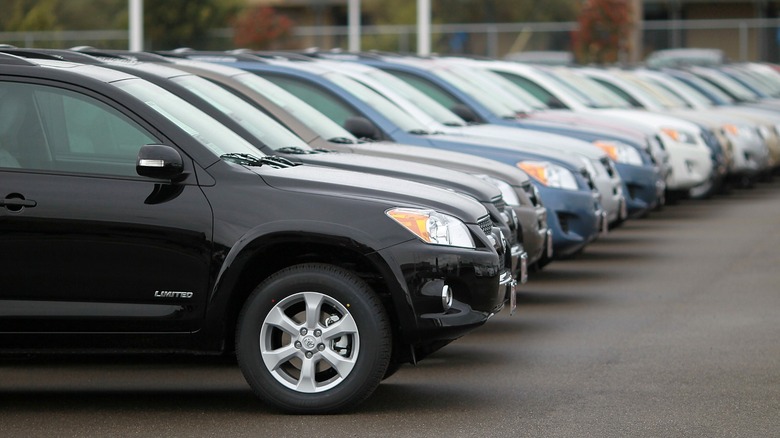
{"x": 740, "y": 39}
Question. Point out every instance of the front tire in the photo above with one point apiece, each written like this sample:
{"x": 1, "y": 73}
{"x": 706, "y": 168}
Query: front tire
{"x": 313, "y": 339}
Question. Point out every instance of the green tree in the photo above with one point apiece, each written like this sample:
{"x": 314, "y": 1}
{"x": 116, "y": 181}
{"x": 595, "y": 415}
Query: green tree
{"x": 186, "y": 23}
{"x": 30, "y": 15}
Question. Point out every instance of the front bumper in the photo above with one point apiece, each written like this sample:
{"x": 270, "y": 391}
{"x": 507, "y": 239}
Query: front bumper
{"x": 612, "y": 199}
{"x": 750, "y": 157}
{"x": 574, "y": 217}
{"x": 533, "y": 223}
{"x": 643, "y": 187}
{"x": 691, "y": 165}
{"x": 422, "y": 271}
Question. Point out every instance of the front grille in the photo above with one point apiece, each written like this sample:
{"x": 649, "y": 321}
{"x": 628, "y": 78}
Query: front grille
{"x": 587, "y": 177}
{"x": 609, "y": 166}
{"x": 533, "y": 193}
{"x": 486, "y": 224}
{"x": 499, "y": 203}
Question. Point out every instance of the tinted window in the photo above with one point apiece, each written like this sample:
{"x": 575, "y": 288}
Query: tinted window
{"x": 46, "y": 128}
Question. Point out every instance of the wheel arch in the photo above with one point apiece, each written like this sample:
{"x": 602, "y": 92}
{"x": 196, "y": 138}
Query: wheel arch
{"x": 256, "y": 258}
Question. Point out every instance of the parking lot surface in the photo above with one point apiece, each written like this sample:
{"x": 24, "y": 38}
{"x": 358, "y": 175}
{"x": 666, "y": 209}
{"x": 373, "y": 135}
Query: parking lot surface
{"x": 666, "y": 327}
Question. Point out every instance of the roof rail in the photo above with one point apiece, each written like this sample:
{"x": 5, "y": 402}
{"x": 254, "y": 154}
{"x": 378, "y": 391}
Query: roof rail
{"x": 54, "y": 54}
{"x": 205, "y": 55}
{"x": 8, "y": 59}
{"x": 122, "y": 55}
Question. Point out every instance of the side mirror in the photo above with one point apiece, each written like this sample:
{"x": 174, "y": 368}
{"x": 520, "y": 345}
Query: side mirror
{"x": 159, "y": 161}
{"x": 361, "y": 127}
{"x": 464, "y": 113}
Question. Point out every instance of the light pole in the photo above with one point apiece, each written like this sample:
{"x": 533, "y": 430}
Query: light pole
{"x": 136, "y": 25}
{"x": 353, "y": 21}
{"x": 423, "y": 27}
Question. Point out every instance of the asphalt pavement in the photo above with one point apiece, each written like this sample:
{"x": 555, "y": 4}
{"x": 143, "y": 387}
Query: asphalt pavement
{"x": 667, "y": 327}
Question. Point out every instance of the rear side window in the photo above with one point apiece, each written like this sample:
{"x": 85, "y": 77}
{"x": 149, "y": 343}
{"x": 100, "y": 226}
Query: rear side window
{"x": 61, "y": 130}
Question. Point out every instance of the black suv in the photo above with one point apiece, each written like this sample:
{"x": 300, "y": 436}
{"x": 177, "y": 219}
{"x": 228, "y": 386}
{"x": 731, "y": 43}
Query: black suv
{"x": 131, "y": 221}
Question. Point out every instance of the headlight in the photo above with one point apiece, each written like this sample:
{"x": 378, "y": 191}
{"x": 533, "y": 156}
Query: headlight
{"x": 433, "y": 227}
{"x": 679, "y": 136}
{"x": 620, "y": 152}
{"x": 507, "y": 191}
{"x": 551, "y": 175}
{"x": 745, "y": 131}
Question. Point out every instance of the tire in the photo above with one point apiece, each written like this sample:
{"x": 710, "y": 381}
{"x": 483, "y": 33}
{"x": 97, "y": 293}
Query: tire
{"x": 294, "y": 359}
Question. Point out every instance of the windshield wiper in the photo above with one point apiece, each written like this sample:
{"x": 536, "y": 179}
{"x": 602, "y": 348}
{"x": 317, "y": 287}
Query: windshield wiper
{"x": 278, "y": 162}
{"x": 294, "y": 150}
{"x": 243, "y": 159}
{"x": 342, "y": 140}
{"x": 419, "y": 132}
{"x": 251, "y": 160}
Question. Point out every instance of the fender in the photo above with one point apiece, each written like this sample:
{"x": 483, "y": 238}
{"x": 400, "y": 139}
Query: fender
{"x": 289, "y": 231}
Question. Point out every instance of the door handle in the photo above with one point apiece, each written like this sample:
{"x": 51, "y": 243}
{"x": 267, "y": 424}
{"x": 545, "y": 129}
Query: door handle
{"x": 16, "y": 202}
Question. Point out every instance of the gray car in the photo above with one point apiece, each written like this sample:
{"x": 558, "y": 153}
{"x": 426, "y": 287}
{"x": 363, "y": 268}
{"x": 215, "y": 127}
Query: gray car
{"x": 322, "y": 133}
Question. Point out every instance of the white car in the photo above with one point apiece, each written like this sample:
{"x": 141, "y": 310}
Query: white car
{"x": 437, "y": 118}
{"x": 690, "y": 159}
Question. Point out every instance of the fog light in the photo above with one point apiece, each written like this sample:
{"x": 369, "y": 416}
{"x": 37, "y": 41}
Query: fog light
{"x": 446, "y": 297}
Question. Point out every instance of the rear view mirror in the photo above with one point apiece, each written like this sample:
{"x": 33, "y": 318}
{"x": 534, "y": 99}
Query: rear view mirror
{"x": 159, "y": 161}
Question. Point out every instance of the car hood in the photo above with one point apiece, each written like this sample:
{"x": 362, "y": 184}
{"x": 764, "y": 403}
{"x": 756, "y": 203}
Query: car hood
{"x": 423, "y": 173}
{"x": 449, "y": 159}
{"x": 529, "y": 137}
{"x": 391, "y": 192}
{"x": 508, "y": 145}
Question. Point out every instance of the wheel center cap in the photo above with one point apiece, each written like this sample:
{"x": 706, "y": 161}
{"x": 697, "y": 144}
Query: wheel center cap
{"x": 309, "y": 342}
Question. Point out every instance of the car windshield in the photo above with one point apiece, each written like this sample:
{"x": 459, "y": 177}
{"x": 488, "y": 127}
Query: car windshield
{"x": 378, "y": 102}
{"x": 495, "y": 106}
{"x": 215, "y": 136}
{"x": 260, "y": 125}
{"x": 565, "y": 88}
{"x": 656, "y": 92}
{"x": 434, "y": 109}
{"x": 521, "y": 100}
{"x": 681, "y": 88}
{"x": 710, "y": 89}
{"x": 728, "y": 84}
{"x": 302, "y": 111}
{"x": 597, "y": 95}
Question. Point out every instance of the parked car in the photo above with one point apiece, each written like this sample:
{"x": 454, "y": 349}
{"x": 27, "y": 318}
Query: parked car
{"x": 165, "y": 231}
{"x": 701, "y": 98}
{"x": 274, "y": 139}
{"x": 643, "y": 173}
{"x": 568, "y": 195}
{"x": 437, "y": 118}
{"x": 690, "y": 156}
